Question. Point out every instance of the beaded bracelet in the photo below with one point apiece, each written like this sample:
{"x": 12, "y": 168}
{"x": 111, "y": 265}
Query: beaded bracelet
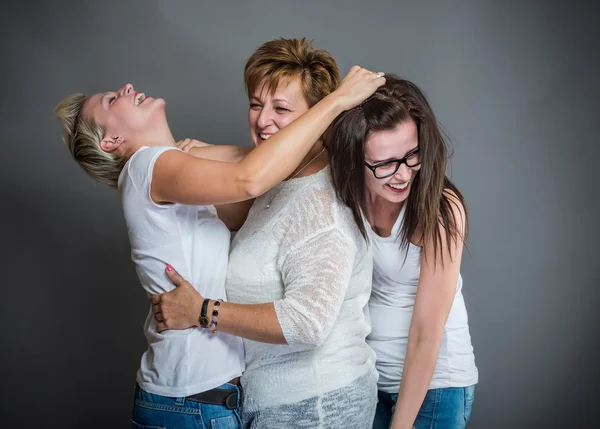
{"x": 215, "y": 315}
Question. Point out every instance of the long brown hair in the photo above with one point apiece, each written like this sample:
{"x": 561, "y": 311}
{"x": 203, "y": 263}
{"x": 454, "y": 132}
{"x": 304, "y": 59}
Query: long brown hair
{"x": 429, "y": 203}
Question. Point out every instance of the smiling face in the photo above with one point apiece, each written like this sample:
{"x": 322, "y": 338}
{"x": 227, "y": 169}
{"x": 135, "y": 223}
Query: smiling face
{"x": 126, "y": 115}
{"x": 271, "y": 111}
{"x": 382, "y": 146}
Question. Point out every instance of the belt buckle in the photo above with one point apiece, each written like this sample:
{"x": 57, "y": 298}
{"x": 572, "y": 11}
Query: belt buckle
{"x": 231, "y": 401}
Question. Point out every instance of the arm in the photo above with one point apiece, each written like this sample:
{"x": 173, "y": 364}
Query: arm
{"x": 435, "y": 294}
{"x": 316, "y": 274}
{"x": 234, "y": 214}
{"x": 181, "y": 178}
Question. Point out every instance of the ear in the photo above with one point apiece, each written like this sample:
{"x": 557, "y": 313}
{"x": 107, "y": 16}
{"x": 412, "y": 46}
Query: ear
{"x": 111, "y": 143}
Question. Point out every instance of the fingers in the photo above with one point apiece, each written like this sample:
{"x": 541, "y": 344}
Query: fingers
{"x": 174, "y": 276}
{"x": 188, "y": 144}
{"x": 155, "y": 299}
{"x": 184, "y": 145}
{"x": 158, "y": 312}
{"x": 354, "y": 70}
{"x": 357, "y": 71}
{"x": 160, "y": 327}
{"x": 178, "y": 308}
{"x": 358, "y": 85}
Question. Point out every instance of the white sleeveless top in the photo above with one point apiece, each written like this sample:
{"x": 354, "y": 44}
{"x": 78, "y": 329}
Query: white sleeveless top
{"x": 196, "y": 243}
{"x": 391, "y": 306}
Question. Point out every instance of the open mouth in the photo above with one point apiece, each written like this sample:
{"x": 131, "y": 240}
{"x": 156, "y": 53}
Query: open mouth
{"x": 139, "y": 98}
{"x": 264, "y": 137}
{"x": 398, "y": 187}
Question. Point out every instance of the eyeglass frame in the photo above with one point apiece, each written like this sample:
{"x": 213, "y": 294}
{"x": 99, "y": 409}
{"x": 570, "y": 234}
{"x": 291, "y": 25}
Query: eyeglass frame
{"x": 398, "y": 162}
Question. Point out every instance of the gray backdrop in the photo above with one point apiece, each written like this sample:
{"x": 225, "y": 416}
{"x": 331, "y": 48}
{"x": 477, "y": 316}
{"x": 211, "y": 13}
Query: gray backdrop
{"x": 514, "y": 83}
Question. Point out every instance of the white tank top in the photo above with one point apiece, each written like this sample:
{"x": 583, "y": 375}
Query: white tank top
{"x": 391, "y": 306}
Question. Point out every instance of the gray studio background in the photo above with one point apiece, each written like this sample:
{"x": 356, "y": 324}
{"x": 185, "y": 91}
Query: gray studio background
{"x": 515, "y": 85}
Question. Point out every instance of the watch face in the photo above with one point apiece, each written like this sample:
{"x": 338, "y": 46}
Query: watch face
{"x": 203, "y": 322}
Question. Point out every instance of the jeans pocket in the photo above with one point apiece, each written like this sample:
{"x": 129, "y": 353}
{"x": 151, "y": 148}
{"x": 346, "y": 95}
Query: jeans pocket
{"x": 135, "y": 425}
{"x": 223, "y": 423}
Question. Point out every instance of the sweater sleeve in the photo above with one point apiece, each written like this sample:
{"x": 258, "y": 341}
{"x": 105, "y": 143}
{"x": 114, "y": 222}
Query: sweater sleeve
{"x": 315, "y": 273}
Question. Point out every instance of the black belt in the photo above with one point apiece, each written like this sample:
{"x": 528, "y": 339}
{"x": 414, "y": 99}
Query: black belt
{"x": 226, "y": 397}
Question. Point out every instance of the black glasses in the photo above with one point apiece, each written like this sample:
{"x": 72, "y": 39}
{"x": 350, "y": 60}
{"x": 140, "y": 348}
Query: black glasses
{"x": 389, "y": 168}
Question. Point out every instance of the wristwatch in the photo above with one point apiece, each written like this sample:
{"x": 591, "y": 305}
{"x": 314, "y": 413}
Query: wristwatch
{"x": 203, "y": 319}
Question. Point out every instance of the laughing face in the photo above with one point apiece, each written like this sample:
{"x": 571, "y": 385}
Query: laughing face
{"x": 381, "y": 146}
{"x": 126, "y": 114}
{"x": 271, "y": 111}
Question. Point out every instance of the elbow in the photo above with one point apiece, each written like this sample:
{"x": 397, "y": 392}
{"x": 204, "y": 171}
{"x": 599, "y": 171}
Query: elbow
{"x": 254, "y": 190}
{"x": 425, "y": 341}
{"x": 299, "y": 326}
{"x": 318, "y": 341}
{"x": 252, "y": 185}
{"x": 315, "y": 336}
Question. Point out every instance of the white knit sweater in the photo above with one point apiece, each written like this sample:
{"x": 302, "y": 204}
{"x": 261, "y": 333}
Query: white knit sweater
{"x": 304, "y": 254}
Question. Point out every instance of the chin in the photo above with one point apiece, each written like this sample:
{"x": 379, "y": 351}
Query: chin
{"x": 397, "y": 198}
{"x": 159, "y": 102}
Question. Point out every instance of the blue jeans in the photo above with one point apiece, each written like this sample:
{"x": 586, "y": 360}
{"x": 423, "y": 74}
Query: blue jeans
{"x": 152, "y": 411}
{"x": 448, "y": 408}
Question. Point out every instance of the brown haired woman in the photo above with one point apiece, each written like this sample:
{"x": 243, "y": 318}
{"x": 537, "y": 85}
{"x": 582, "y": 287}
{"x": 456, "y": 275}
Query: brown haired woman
{"x": 388, "y": 162}
{"x": 299, "y": 270}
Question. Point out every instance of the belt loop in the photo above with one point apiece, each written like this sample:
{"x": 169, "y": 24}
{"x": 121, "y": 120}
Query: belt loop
{"x": 180, "y": 401}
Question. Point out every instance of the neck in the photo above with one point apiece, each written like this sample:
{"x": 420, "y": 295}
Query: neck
{"x": 150, "y": 138}
{"x": 313, "y": 162}
{"x": 380, "y": 209}
{"x": 161, "y": 137}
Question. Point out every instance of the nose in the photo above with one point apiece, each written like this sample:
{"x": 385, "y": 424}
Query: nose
{"x": 403, "y": 173}
{"x": 264, "y": 118}
{"x": 126, "y": 90}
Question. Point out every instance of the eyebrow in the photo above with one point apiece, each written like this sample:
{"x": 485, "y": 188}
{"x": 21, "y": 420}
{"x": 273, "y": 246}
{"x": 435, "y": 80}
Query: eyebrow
{"x": 395, "y": 159}
{"x": 277, "y": 100}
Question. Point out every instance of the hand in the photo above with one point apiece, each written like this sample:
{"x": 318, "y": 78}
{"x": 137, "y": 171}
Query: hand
{"x": 358, "y": 85}
{"x": 179, "y": 308}
{"x": 187, "y": 144}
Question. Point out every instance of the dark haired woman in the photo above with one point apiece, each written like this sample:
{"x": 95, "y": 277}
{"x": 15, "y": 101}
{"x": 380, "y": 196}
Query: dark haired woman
{"x": 388, "y": 163}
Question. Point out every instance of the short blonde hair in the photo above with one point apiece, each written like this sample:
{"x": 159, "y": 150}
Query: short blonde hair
{"x": 286, "y": 58}
{"x": 82, "y": 136}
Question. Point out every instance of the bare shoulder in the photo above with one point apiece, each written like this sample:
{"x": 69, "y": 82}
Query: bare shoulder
{"x": 457, "y": 209}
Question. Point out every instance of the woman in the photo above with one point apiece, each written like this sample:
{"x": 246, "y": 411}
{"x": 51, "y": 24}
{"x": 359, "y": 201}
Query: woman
{"x": 299, "y": 274}
{"x": 123, "y": 139}
{"x": 388, "y": 164}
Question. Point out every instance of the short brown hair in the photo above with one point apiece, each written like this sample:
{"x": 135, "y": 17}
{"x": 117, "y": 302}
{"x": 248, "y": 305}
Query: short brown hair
{"x": 82, "y": 136}
{"x": 286, "y": 58}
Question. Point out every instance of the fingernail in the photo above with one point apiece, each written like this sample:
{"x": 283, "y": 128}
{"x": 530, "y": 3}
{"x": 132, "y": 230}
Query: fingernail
{"x": 169, "y": 268}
